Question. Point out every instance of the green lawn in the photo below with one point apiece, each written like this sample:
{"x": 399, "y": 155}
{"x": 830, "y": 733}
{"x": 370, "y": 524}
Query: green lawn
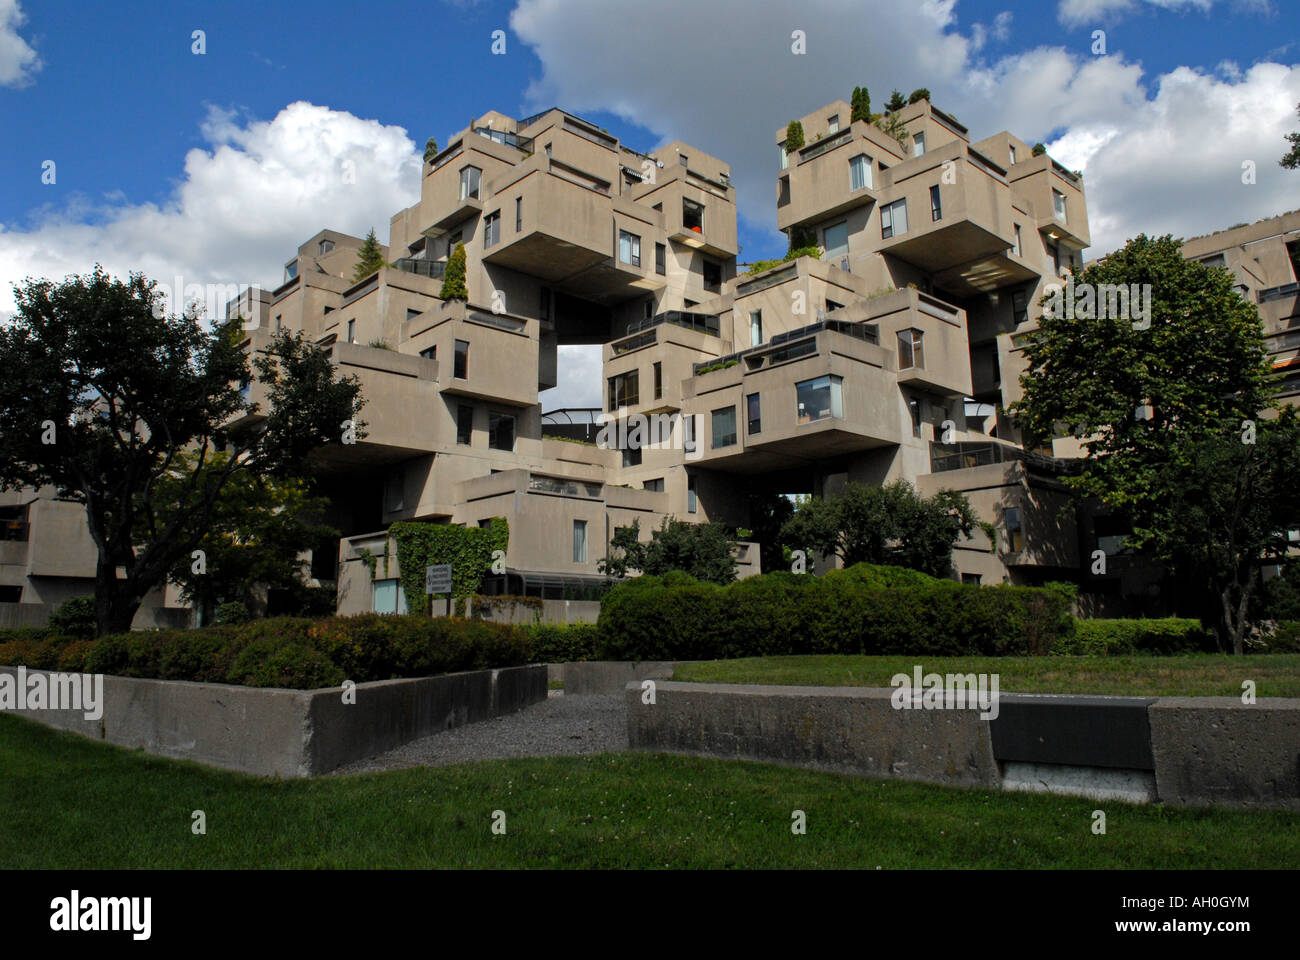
{"x": 1196, "y": 675}
{"x": 67, "y": 802}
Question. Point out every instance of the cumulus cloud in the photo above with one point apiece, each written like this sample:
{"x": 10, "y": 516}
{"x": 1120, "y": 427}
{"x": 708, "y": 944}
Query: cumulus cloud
{"x": 1076, "y": 13}
{"x": 243, "y": 204}
{"x": 18, "y": 61}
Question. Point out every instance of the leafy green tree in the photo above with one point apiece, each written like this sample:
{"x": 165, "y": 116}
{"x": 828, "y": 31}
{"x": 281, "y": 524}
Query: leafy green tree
{"x": 704, "y": 550}
{"x": 889, "y": 524}
{"x": 793, "y": 136}
{"x": 1291, "y": 160}
{"x": 453, "y": 281}
{"x": 1152, "y": 401}
{"x": 893, "y": 125}
{"x": 370, "y": 257}
{"x": 430, "y": 150}
{"x": 257, "y": 529}
{"x": 1039, "y": 149}
{"x": 896, "y": 102}
{"x": 860, "y": 105}
{"x": 768, "y": 513}
{"x": 920, "y": 93}
{"x": 104, "y": 392}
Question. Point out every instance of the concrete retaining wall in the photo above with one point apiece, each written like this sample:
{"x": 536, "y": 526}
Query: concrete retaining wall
{"x": 292, "y": 733}
{"x": 1180, "y": 751}
{"x": 590, "y": 677}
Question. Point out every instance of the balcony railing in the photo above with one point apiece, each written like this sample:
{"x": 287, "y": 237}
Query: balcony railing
{"x": 865, "y": 332}
{"x": 961, "y": 456}
{"x": 699, "y": 322}
{"x": 524, "y": 144}
{"x": 635, "y": 342}
{"x": 822, "y": 146}
{"x": 1279, "y": 293}
{"x": 434, "y": 269}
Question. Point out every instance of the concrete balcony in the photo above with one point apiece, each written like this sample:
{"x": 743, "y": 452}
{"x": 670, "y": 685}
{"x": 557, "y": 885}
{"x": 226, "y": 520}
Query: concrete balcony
{"x": 497, "y": 349}
{"x": 817, "y": 184}
{"x": 1038, "y": 180}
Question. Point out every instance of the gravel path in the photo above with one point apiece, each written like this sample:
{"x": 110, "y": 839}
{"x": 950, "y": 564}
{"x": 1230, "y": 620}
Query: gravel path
{"x": 558, "y": 726}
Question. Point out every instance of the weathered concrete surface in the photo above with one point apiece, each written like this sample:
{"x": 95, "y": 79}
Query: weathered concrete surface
{"x": 1217, "y": 750}
{"x": 842, "y": 729}
{"x": 1098, "y": 783}
{"x": 292, "y": 733}
{"x": 611, "y": 676}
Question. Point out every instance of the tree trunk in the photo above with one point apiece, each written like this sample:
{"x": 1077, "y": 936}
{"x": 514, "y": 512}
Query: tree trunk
{"x": 115, "y": 602}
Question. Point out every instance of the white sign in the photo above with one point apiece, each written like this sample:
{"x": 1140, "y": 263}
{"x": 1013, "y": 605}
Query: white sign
{"x": 437, "y": 578}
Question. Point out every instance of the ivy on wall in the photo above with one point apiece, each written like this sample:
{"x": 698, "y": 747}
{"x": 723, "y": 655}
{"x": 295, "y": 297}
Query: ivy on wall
{"x": 468, "y": 550}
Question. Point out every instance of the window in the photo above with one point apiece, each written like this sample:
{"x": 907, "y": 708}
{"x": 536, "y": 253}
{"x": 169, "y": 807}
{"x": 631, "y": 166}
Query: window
{"x": 1015, "y": 533}
{"x": 352, "y": 331}
{"x": 860, "y": 172}
{"x": 519, "y": 214}
{"x": 629, "y": 248}
{"x": 914, "y": 408}
{"x": 661, "y": 259}
{"x": 579, "y": 541}
{"x": 1012, "y": 148}
{"x": 818, "y": 399}
{"x": 833, "y": 124}
{"x": 632, "y": 455}
{"x": 972, "y": 579}
{"x": 501, "y": 431}
{"x": 754, "y": 413}
{"x": 388, "y": 597}
{"x": 832, "y": 305}
{"x": 469, "y": 181}
{"x": 460, "y": 365}
{"x": 430, "y": 353}
{"x": 782, "y": 191}
{"x": 290, "y": 270}
{"x": 836, "y": 239}
{"x": 659, "y": 380}
{"x": 692, "y": 502}
{"x": 325, "y": 247}
{"x": 11, "y": 594}
{"x": 724, "y": 427}
{"x": 1056, "y": 258}
{"x": 464, "y": 424}
{"x": 624, "y": 390}
{"x": 411, "y": 314}
{"x": 491, "y": 228}
{"x": 911, "y": 354}
{"x": 1020, "y": 250}
{"x": 712, "y": 276}
{"x": 936, "y": 206}
{"x": 682, "y": 157}
{"x": 656, "y": 485}
{"x": 1019, "y": 307}
{"x": 692, "y": 216}
{"x": 393, "y": 492}
{"x": 688, "y": 434}
{"x": 453, "y": 242}
{"x": 785, "y": 157}
{"x": 649, "y": 309}
{"x": 1058, "y": 205}
{"x": 279, "y": 322}
{"x": 893, "y": 219}
{"x": 918, "y": 143}
{"x": 755, "y": 328}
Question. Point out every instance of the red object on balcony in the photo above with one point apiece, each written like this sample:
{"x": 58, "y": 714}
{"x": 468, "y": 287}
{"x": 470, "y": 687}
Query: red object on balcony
{"x": 697, "y": 229}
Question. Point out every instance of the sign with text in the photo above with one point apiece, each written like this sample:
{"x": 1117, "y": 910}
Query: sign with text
{"x": 437, "y": 578}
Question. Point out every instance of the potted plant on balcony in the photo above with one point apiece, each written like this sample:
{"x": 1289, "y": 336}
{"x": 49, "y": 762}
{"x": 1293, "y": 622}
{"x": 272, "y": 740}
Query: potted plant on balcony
{"x": 453, "y": 280}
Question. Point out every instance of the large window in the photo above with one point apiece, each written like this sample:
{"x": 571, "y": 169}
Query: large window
{"x": 655, "y": 486}
{"x": 388, "y": 597}
{"x": 1058, "y": 205}
{"x": 659, "y": 380}
{"x": 325, "y": 246}
{"x": 632, "y": 456}
{"x": 893, "y": 219}
{"x": 936, "y": 204}
{"x": 819, "y": 399}
{"x": 753, "y": 413}
{"x": 661, "y": 259}
{"x": 756, "y": 328}
{"x": 460, "y": 366}
{"x": 911, "y": 353}
{"x": 688, "y": 433}
{"x": 836, "y": 239}
{"x": 692, "y": 504}
{"x": 501, "y": 431}
{"x": 712, "y": 276}
{"x": 833, "y": 124}
{"x": 860, "y": 172}
{"x": 625, "y": 390}
{"x": 724, "y": 427}
{"x": 785, "y": 157}
{"x": 464, "y": 424}
{"x": 469, "y": 181}
{"x": 629, "y": 248}
{"x": 579, "y": 541}
{"x": 491, "y": 228}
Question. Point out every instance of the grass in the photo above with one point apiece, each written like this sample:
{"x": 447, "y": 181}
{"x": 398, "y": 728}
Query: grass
{"x": 71, "y": 803}
{"x": 1193, "y": 675}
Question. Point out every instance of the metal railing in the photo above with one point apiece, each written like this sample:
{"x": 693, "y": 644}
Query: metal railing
{"x": 865, "y": 332}
{"x": 699, "y": 322}
{"x": 434, "y": 269}
{"x": 1279, "y": 293}
{"x": 508, "y": 139}
{"x": 815, "y": 150}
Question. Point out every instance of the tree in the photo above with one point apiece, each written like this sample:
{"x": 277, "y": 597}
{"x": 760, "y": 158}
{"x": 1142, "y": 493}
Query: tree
{"x": 888, "y": 524}
{"x": 1291, "y": 160}
{"x": 893, "y": 125}
{"x": 920, "y": 93}
{"x": 105, "y": 395}
{"x": 369, "y": 258}
{"x": 430, "y": 150}
{"x": 1145, "y": 398}
{"x": 793, "y": 136}
{"x": 860, "y": 105}
{"x": 453, "y": 281}
{"x": 704, "y": 550}
{"x": 1039, "y": 149}
{"x": 768, "y": 513}
{"x": 896, "y": 102}
{"x": 257, "y": 529}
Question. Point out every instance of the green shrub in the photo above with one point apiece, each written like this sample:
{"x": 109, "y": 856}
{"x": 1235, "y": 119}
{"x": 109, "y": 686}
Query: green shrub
{"x": 793, "y": 136}
{"x": 1117, "y": 637}
{"x": 564, "y": 643}
{"x": 233, "y": 611}
{"x": 1285, "y": 639}
{"x": 861, "y": 610}
{"x": 30, "y": 634}
{"x": 75, "y": 618}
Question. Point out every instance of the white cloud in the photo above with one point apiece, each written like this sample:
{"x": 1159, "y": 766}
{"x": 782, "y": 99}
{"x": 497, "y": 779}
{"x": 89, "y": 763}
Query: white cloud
{"x": 241, "y": 209}
{"x": 578, "y": 379}
{"x": 18, "y": 61}
{"x": 1077, "y": 13}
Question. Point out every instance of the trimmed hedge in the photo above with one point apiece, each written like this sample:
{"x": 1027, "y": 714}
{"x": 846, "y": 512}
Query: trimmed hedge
{"x": 565, "y": 643}
{"x": 292, "y": 652}
{"x": 1114, "y": 638}
{"x": 869, "y": 611}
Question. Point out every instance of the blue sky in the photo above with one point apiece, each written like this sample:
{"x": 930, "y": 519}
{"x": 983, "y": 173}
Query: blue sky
{"x": 171, "y": 161}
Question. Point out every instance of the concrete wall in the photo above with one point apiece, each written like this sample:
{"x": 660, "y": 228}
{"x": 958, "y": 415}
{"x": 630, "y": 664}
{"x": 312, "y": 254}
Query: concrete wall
{"x": 292, "y": 733}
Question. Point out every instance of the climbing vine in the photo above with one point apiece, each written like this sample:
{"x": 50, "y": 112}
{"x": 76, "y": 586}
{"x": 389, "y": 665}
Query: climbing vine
{"x": 468, "y": 549}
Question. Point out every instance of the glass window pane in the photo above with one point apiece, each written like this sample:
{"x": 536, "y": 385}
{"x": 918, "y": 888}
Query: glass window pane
{"x": 724, "y": 427}
{"x": 837, "y": 240}
{"x": 818, "y": 399}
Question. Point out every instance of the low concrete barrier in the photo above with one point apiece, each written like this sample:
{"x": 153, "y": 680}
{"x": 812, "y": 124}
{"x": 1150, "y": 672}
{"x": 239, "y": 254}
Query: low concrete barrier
{"x": 292, "y": 733}
{"x": 590, "y": 677}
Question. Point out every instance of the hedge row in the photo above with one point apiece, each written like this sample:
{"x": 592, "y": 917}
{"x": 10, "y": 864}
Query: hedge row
{"x": 862, "y": 610}
{"x": 564, "y": 643}
{"x": 1113, "y": 638}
